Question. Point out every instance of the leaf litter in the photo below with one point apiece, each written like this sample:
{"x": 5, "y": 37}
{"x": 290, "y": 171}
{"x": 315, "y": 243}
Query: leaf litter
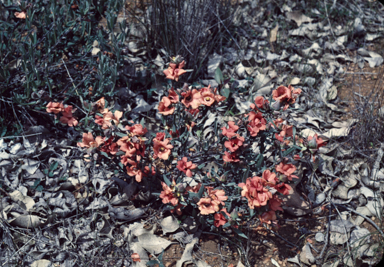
{"x": 315, "y": 113}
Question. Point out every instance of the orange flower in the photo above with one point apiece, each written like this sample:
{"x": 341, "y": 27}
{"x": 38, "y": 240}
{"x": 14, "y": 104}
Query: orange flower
{"x": 100, "y": 105}
{"x": 217, "y": 195}
{"x": 186, "y": 166}
{"x": 173, "y": 96}
{"x": 173, "y": 73}
{"x": 67, "y": 117}
{"x": 21, "y": 15}
{"x": 160, "y": 136}
{"x": 231, "y": 130}
{"x": 137, "y": 129}
{"x": 127, "y": 146}
{"x": 275, "y": 203}
{"x": 110, "y": 147}
{"x": 270, "y": 177}
{"x": 220, "y": 217}
{"x": 108, "y": 117}
{"x": 165, "y": 107}
{"x": 90, "y": 142}
{"x": 234, "y": 143}
{"x": 256, "y": 123}
{"x": 255, "y": 192}
{"x": 268, "y": 216}
{"x": 218, "y": 97}
{"x": 287, "y": 169}
{"x": 282, "y": 94}
{"x": 207, "y": 206}
{"x": 207, "y": 97}
{"x": 260, "y": 103}
{"x": 295, "y": 93}
{"x": 54, "y": 107}
{"x": 134, "y": 171}
{"x": 194, "y": 189}
{"x": 168, "y": 195}
{"x": 283, "y": 188}
{"x": 230, "y": 157}
{"x": 136, "y": 257}
{"x": 162, "y": 149}
{"x": 191, "y": 98}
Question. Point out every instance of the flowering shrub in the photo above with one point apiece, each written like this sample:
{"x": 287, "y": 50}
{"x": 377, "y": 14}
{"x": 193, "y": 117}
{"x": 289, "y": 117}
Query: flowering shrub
{"x": 223, "y": 173}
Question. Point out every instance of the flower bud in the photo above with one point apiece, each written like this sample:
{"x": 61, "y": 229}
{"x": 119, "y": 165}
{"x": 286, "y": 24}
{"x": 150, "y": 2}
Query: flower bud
{"x": 312, "y": 143}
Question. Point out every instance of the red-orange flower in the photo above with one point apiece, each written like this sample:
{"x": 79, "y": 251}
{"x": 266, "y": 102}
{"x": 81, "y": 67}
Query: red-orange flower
{"x": 186, "y": 166}
{"x": 230, "y": 157}
{"x": 218, "y": 97}
{"x": 207, "y": 206}
{"x": 255, "y": 192}
{"x": 108, "y": 118}
{"x": 160, "y": 136}
{"x": 287, "y": 169}
{"x": 165, "y": 106}
{"x": 127, "y": 146}
{"x": 67, "y": 117}
{"x": 268, "y": 216}
{"x": 256, "y": 123}
{"x": 137, "y": 129}
{"x": 275, "y": 203}
{"x": 54, "y": 107}
{"x": 89, "y": 141}
{"x": 231, "y": 130}
{"x": 167, "y": 195}
{"x": 191, "y": 98}
{"x": 173, "y": 96}
{"x": 234, "y": 143}
{"x": 100, "y": 105}
{"x": 162, "y": 149}
{"x": 110, "y": 147}
{"x": 260, "y": 103}
{"x": 270, "y": 177}
{"x": 207, "y": 96}
{"x": 220, "y": 217}
{"x": 282, "y": 94}
{"x": 135, "y": 257}
{"x": 283, "y": 188}
{"x": 133, "y": 170}
{"x": 173, "y": 73}
{"x": 217, "y": 195}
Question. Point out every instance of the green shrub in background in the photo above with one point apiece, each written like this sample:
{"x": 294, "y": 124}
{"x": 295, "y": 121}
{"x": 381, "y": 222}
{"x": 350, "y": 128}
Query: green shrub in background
{"x": 51, "y": 55}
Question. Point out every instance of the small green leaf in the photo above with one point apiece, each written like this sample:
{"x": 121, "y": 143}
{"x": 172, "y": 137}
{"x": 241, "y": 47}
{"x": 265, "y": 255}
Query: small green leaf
{"x": 219, "y": 76}
{"x": 237, "y": 231}
{"x": 166, "y": 180}
{"x": 225, "y": 92}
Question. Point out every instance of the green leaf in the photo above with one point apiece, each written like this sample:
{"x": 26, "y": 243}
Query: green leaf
{"x": 225, "y": 92}
{"x": 54, "y": 166}
{"x": 288, "y": 151}
{"x": 39, "y": 188}
{"x": 105, "y": 154}
{"x": 121, "y": 134}
{"x": 237, "y": 231}
{"x": 219, "y": 76}
{"x": 166, "y": 180}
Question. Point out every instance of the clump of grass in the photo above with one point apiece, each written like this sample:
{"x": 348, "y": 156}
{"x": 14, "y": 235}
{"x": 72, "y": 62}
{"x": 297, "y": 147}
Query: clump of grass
{"x": 368, "y": 132}
{"x": 192, "y": 28}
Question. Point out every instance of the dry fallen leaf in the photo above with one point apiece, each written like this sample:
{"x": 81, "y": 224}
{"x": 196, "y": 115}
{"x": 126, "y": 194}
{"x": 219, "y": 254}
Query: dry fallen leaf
{"x": 274, "y": 34}
{"x": 298, "y": 17}
{"x": 21, "y": 15}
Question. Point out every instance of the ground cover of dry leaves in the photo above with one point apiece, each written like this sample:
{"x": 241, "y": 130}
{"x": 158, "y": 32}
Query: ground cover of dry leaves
{"x": 331, "y": 59}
